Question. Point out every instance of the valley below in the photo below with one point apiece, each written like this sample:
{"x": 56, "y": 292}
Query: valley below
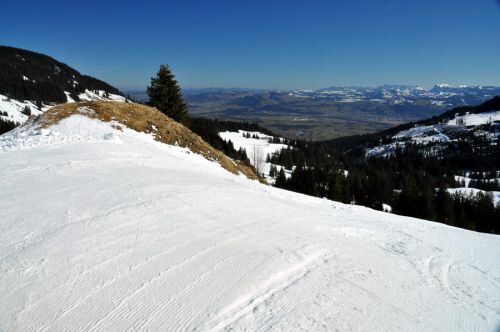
{"x": 331, "y": 112}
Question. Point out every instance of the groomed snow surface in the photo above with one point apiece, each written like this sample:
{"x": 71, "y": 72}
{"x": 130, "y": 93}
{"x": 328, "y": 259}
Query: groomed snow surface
{"x": 108, "y": 230}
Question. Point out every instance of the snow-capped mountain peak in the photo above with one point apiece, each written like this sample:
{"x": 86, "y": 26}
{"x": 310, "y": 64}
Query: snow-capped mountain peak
{"x": 440, "y": 95}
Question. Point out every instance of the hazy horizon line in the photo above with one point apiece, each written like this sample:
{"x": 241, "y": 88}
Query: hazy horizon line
{"x": 214, "y": 87}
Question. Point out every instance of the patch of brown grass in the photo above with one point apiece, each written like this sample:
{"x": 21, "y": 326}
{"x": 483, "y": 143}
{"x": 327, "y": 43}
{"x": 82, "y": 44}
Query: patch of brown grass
{"x": 148, "y": 120}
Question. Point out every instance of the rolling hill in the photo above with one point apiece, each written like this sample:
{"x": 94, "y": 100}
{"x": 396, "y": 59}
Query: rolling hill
{"x": 108, "y": 226}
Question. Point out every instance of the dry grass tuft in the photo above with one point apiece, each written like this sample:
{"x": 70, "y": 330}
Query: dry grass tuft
{"x": 148, "y": 120}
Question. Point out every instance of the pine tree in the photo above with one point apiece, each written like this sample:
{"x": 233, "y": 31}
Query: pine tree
{"x": 165, "y": 94}
{"x": 272, "y": 171}
{"x": 27, "y": 110}
{"x": 444, "y": 207}
{"x": 281, "y": 179}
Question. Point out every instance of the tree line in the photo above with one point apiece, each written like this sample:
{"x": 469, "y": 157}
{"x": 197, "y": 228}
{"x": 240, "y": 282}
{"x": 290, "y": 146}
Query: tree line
{"x": 412, "y": 180}
{"x": 26, "y": 75}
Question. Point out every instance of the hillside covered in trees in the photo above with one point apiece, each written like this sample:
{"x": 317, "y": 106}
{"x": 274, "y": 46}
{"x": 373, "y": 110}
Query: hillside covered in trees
{"x": 413, "y": 179}
{"x": 27, "y": 75}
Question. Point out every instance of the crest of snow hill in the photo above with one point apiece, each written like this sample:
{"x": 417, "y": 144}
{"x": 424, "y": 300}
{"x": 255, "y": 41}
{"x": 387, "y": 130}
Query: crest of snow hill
{"x": 33, "y": 83}
{"x": 139, "y": 118}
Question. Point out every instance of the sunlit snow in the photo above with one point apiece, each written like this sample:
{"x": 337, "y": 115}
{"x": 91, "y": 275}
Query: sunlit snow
{"x": 106, "y": 229}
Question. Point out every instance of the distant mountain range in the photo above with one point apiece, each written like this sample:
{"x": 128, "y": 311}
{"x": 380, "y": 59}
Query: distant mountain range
{"x": 439, "y": 95}
{"x": 336, "y": 111}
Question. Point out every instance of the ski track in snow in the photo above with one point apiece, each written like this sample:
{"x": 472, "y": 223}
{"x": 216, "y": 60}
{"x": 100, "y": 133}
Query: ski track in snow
{"x": 130, "y": 234}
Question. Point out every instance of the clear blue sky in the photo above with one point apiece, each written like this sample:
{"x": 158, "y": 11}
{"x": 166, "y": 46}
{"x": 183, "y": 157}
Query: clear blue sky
{"x": 265, "y": 44}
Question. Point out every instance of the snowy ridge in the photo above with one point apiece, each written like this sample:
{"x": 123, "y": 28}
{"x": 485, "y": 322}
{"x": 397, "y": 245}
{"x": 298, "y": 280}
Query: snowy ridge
{"x": 437, "y": 133}
{"x": 72, "y": 130}
{"x": 127, "y": 233}
{"x": 424, "y": 134}
{"x": 12, "y": 109}
{"x": 475, "y": 119}
{"x": 100, "y": 95}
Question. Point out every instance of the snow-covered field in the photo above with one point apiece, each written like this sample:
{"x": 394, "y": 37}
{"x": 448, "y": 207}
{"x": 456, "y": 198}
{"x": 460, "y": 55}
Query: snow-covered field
{"x": 108, "y": 230}
{"x": 257, "y": 149}
{"x": 475, "y": 119}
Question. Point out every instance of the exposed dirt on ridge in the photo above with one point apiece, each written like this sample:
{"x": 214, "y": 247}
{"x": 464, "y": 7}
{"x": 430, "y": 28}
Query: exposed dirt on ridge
{"x": 148, "y": 120}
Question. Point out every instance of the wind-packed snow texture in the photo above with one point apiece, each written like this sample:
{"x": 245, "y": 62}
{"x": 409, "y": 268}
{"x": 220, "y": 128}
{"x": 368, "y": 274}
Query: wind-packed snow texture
{"x": 109, "y": 230}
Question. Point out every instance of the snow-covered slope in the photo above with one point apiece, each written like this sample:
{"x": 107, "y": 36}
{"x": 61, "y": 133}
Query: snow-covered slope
{"x": 100, "y": 95}
{"x": 475, "y": 119}
{"x": 106, "y": 229}
{"x": 453, "y": 130}
{"x": 257, "y": 148}
{"x": 12, "y": 109}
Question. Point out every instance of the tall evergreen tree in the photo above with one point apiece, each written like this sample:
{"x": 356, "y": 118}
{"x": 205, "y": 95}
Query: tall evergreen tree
{"x": 27, "y": 110}
{"x": 281, "y": 179}
{"x": 444, "y": 207}
{"x": 165, "y": 94}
